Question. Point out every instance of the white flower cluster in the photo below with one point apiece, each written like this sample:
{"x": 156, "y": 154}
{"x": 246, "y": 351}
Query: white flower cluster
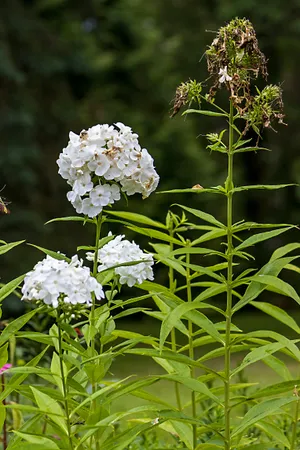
{"x": 100, "y": 160}
{"x": 54, "y": 281}
{"x": 117, "y": 252}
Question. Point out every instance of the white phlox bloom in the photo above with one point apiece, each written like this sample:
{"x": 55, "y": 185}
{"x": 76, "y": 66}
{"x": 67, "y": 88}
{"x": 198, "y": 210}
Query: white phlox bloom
{"x": 119, "y": 251}
{"x": 224, "y": 75}
{"x": 56, "y": 281}
{"x": 101, "y": 160}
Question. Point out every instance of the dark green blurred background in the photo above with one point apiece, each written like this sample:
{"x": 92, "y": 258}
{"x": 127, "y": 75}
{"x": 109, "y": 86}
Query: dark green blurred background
{"x": 69, "y": 64}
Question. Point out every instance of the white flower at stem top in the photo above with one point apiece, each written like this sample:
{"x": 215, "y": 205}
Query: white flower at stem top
{"x": 224, "y": 75}
{"x": 119, "y": 251}
{"x": 58, "y": 282}
{"x": 100, "y": 161}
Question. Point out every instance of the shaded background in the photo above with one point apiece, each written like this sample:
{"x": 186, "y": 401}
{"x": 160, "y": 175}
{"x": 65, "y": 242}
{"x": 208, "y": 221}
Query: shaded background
{"x": 67, "y": 65}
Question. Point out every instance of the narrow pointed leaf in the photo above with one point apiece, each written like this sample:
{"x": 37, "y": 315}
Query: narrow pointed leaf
{"x": 139, "y": 218}
{"x": 53, "y": 254}
{"x": 15, "y": 326}
{"x": 170, "y": 321}
{"x": 250, "y": 149}
{"x": 272, "y": 268}
{"x": 282, "y": 251}
{"x": 191, "y": 191}
{"x": 260, "y": 411}
{"x": 71, "y": 219}
{"x": 195, "y": 385}
{"x": 155, "y": 234}
{"x": 285, "y": 387}
{"x": 278, "y": 314}
{"x": 52, "y": 407}
{"x": 209, "y": 236}
{"x": 202, "y": 215}
{"x": 278, "y": 284}
{"x": 274, "y": 432}
{"x": 10, "y": 287}
{"x": 260, "y": 237}
{"x": 6, "y": 247}
{"x": 204, "y": 113}
{"x": 269, "y": 187}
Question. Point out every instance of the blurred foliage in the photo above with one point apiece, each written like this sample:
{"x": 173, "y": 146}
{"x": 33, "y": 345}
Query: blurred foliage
{"x": 67, "y": 65}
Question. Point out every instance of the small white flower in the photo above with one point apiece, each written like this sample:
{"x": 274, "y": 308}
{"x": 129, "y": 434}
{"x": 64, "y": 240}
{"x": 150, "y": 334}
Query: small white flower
{"x": 111, "y": 152}
{"x": 224, "y": 75}
{"x": 57, "y": 282}
{"x": 100, "y": 195}
{"x": 119, "y": 251}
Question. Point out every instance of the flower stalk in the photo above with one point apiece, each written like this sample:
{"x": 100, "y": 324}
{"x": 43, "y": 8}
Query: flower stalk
{"x": 64, "y": 384}
{"x": 295, "y": 421}
{"x": 191, "y": 346}
{"x": 229, "y": 194}
{"x": 173, "y": 331}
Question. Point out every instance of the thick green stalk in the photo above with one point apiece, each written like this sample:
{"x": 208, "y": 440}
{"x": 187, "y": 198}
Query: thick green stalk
{"x": 295, "y": 421}
{"x": 191, "y": 348}
{"x": 64, "y": 385}
{"x": 92, "y": 324}
{"x": 95, "y": 271}
{"x": 173, "y": 331}
{"x": 229, "y": 188}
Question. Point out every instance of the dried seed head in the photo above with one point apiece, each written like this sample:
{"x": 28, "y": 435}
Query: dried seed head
{"x": 186, "y": 93}
{"x": 234, "y": 54}
{"x": 266, "y": 106}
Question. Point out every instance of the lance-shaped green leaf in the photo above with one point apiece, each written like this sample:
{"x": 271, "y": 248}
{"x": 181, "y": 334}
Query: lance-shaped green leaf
{"x": 278, "y": 366}
{"x": 171, "y": 262}
{"x": 251, "y": 149}
{"x": 172, "y": 356}
{"x": 209, "y": 236}
{"x": 278, "y": 314}
{"x": 284, "y": 387}
{"x": 243, "y": 226}
{"x": 203, "y": 271}
{"x": 10, "y": 287}
{"x": 16, "y": 325}
{"x": 170, "y": 321}
{"x": 16, "y": 380}
{"x": 6, "y": 247}
{"x": 202, "y": 215}
{"x": 257, "y": 355}
{"x": 41, "y": 440}
{"x": 268, "y": 187}
{"x": 260, "y": 411}
{"x": 282, "y": 251}
{"x": 71, "y": 219}
{"x": 195, "y": 385}
{"x": 205, "y": 113}
{"x": 122, "y": 440}
{"x": 277, "y": 285}
{"x": 274, "y": 432}
{"x": 255, "y": 288}
{"x": 155, "y": 234}
{"x": 51, "y": 407}
{"x": 260, "y": 237}
{"x": 53, "y": 254}
{"x": 134, "y": 217}
{"x": 194, "y": 190}
{"x": 112, "y": 418}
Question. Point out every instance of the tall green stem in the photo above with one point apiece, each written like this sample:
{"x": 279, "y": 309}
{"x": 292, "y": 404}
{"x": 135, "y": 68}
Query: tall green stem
{"x": 92, "y": 316}
{"x": 229, "y": 189}
{"x": 173, "y": 331}
{"x": 295, "y": 421}
{"x": 191, "y": 347}
{"x": 64, "y": 385}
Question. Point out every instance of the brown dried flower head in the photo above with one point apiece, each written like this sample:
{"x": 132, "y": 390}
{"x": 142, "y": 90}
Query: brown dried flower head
{"x": 235, "y": 55}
